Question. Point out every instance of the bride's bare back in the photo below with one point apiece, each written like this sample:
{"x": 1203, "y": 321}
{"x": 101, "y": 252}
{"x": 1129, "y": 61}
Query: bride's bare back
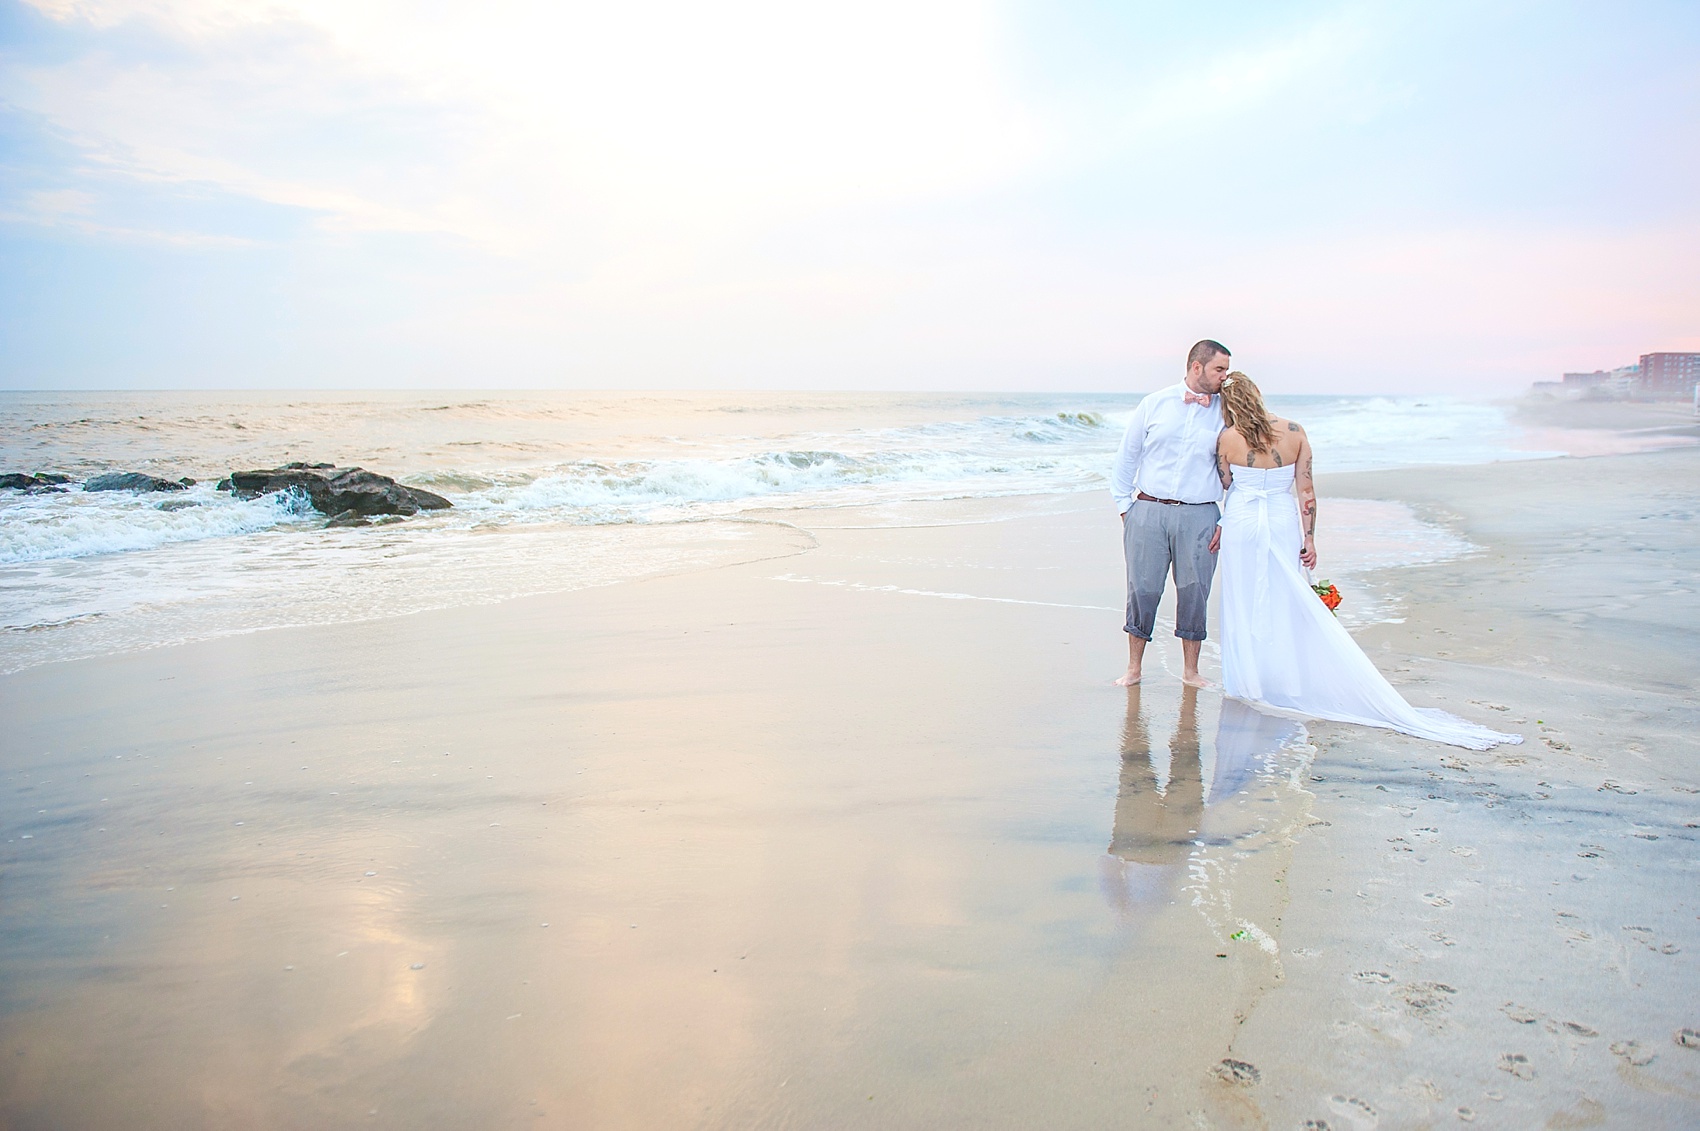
{"x": 1289, "y": 448}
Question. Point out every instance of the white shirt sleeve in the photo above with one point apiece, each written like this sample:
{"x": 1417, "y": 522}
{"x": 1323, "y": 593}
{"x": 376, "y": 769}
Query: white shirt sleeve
{"x": 1124, "y": 476}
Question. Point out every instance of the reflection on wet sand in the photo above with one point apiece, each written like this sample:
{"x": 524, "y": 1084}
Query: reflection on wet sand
{"x": 1157, "y": 818}
{"x": 1161, "y": 802}
{"x": 644, "y": 857}
{"x": 1246, "y": 741}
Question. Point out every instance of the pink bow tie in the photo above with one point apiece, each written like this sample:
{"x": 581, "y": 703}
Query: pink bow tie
{"x": 1190, "y": 397}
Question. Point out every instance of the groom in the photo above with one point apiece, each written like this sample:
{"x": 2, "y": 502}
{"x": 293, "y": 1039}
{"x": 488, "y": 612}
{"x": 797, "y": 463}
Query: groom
{"x": 1167, "y": 488}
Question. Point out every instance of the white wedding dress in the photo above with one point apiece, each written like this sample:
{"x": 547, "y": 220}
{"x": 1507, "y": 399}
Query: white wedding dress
{"x": 1280, "y": 644}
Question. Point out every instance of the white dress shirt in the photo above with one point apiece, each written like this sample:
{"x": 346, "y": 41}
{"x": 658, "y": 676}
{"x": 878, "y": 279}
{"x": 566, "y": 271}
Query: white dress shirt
{"x": 1169, "y": 451}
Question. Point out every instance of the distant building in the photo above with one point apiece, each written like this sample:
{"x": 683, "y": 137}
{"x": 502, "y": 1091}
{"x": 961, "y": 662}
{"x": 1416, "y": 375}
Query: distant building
{"x": 1601, "y": 384}
{"x": 1663, "y": 374}
{"x": 1622, "y": 378}
{"x": 1658, "y": 376}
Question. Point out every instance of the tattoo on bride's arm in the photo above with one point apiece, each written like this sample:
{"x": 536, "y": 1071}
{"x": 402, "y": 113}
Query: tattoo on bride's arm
{"x": 1310, "y": 518}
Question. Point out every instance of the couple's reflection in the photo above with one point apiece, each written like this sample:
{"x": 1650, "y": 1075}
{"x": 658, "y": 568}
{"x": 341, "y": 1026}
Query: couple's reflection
{"x": 1161, "y": 802}
{"x": 1157, "y": 814}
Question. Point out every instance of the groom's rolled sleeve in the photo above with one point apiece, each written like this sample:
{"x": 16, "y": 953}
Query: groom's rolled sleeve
{"x": 1124, "y": 476}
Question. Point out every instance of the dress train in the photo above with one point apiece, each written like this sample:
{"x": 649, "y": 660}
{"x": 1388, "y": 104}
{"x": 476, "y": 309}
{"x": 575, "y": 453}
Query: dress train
{"x": 1282, "y": 647}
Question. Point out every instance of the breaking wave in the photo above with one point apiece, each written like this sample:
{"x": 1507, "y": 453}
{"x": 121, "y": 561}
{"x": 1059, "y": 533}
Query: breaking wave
{"x": 75, "y": 524}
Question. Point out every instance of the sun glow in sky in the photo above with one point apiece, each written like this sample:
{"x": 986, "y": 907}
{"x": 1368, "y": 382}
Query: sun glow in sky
{"x": 1397, "y": 196}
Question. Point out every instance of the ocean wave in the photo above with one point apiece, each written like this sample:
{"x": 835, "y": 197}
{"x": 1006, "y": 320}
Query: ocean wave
{"x": 598, "y": 491}
{"x": 74, "y": 524}
{"x": 453, "y": 481}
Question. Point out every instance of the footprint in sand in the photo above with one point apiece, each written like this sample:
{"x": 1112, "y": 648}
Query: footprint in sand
{"x": 1381, "y": 976}
{"x": 1577, "y": 1029}
{"x": 1354, "y": 1109}
{"x": 1687, "y": 1038}
{"x": 1634, "y": 1052}
{"x": 1435, "y": 899}
{"x": 1465, "y": 1114}
{"x": 1517, "y": 1064}
{"x": 1644, "y": 935}
{"x": 1425, "y": 999}
{"x": 1521, "y": 1014}
{"x": 1237, "y": 1072}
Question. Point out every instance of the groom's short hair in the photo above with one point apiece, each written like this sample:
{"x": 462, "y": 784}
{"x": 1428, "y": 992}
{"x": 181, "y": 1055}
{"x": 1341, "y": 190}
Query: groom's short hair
{"x": 1204, "y": 352}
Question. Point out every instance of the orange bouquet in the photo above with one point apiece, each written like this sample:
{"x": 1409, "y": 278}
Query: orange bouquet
{"x": 1329, "y": 593}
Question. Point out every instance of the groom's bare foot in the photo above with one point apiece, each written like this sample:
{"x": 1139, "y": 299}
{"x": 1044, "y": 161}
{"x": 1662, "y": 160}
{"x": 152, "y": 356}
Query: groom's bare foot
{"x": 1189, "y": 664}
{"x": 1135, "y": 661}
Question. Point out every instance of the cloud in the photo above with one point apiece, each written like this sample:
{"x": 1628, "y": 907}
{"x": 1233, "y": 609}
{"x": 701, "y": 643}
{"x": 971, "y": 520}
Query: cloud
{"x": 512, "y": 122}
{"x": 950, "y": 193}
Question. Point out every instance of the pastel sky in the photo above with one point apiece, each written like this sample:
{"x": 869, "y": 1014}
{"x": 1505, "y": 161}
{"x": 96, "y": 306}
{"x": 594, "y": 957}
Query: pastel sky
{"x": 1404, "y": 196}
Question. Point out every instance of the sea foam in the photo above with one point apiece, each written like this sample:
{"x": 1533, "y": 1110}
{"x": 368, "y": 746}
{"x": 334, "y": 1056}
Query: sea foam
{"x": 74, "y": 524}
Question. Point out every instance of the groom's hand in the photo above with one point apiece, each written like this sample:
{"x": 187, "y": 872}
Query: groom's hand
{"x": 1216, "y": 540}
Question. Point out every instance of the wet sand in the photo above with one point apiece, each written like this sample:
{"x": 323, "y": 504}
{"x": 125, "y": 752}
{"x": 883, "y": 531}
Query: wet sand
{"x": 860, "y": 834}
{"x": 1510, "y": 936}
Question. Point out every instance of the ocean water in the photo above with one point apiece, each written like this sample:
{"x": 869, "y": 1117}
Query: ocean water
{"x": 557, "y": 491}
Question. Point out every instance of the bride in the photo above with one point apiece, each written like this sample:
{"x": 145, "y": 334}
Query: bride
{"x": 1280, "y": 644}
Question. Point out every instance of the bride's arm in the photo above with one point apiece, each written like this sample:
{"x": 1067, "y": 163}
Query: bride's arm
{"x": 1223, "y": 467}
{"x": 1226, "y": 472}
{"x": 1305, "y": 482}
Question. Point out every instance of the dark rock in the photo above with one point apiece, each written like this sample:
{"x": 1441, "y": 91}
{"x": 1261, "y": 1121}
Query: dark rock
{"x": 32, "y": 483}
{"x": 40, "y": 483}
{"x": 186, "y": 481}
{"x": 130, "y": 481}
{"x": 348, "y": 518}
{"x": 333, "y": 492}
{"x": 223, "y": 484}
{"x": 177, "y": 504}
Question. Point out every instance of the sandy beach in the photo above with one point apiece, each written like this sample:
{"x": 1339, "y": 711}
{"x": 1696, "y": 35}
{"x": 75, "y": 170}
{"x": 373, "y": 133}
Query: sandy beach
{"x": 855, "y": 831}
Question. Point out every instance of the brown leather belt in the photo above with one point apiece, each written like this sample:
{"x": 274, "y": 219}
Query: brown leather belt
{"x": 1154, "y": 499}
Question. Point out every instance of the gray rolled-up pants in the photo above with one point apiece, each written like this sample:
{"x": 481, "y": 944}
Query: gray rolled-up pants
{"x": 1158, "y": 538}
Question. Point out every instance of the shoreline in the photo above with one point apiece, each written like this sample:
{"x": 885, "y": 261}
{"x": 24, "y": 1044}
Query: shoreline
{"x": 865, "y": 848}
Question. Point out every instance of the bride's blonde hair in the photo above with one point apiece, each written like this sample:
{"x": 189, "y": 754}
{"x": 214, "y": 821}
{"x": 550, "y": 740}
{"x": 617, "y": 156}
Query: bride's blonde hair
{"x": 1242, "y": 409}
